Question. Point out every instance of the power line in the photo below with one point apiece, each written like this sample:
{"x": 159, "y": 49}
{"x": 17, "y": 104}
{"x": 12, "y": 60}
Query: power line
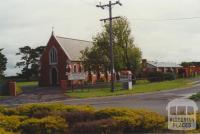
{"x": 110, "y": 5}
{"x": 167, "y": 19}
{"x": 149, "y": 19}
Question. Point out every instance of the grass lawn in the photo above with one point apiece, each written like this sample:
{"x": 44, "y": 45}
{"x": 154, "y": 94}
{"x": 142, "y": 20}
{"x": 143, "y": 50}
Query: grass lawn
{"x": 140, "y": 87}
{"x": 24, "y": 84}
{"x": 20, "y": 85}
{"x": 2, "y": 97}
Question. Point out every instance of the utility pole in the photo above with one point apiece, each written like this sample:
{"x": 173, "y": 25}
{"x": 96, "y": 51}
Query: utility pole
{"x": 111, "y": 38}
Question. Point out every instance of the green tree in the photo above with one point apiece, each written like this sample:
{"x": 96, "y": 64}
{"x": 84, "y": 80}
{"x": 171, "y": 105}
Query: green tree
{"x": 126, "y": 54}
{"x": 29, "y": 60}
{"x": 35, "y": 67}
{"x": 3, "y": 62}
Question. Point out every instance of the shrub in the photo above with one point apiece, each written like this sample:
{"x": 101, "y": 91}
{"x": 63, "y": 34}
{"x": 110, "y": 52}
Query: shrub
{"x": 11, "y": 123}
{"x": 169, "y": 76}
{"x": 4, "y": 88}
{"x": 195, "y": 97}
{"x": 198, "y": 124}
{"x": 105, "y": 126}
{"x": 47, "y": 125}
{"x": 77, "y": 116}
{"x": 71, "y": 108}
{"x": 59, "y": 119}
{"x": 33, "y": 110}
{"x": 198, "y": 121}
{"x": 44, "y": 110}
{"x": 155, "y": 76}
{"x": 3, "y": 131}
{"x": 134, "y": 120}
{"x": 152, "y": 121}
{"x": 9, "y": 111}
{"x": 111, "y": 112}
{"x": 129, "y": 124}
{"x": 38, "y": 110}
{"x": 2, "y": 109}
{"x": 159, "y": 76}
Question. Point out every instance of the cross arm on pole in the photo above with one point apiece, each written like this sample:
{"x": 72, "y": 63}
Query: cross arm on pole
{"x": 109, "y": 5}
{"x": 109, "y": 18}
{"x": 111, "y": 38}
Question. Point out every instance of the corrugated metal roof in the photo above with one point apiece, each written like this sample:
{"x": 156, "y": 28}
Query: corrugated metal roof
{"x": 73, "y": 47}
{"x": 163, "y": 64}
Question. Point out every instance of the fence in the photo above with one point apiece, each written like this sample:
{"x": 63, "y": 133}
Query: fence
{"x": 91, "y": 86}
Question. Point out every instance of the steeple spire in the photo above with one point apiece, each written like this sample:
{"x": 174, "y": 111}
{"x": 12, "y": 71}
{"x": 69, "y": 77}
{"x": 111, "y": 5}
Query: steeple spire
{"x": 52, "y": 31}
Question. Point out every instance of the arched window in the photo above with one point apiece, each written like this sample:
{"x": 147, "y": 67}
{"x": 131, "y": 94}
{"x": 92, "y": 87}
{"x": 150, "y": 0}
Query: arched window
{"x": 53, "y": 58}
{"x": 75, "y": 69}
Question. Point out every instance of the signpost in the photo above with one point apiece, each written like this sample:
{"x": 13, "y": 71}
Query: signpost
{"x": 76, "y": 76}
{"x": 126, "y": 79}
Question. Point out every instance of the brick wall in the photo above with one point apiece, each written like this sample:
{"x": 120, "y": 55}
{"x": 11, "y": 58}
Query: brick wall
{"x": 44, "y": 79}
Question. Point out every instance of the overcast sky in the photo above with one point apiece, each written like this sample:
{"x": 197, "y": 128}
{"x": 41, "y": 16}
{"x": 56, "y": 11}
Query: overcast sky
{"x": 29, "y": 22}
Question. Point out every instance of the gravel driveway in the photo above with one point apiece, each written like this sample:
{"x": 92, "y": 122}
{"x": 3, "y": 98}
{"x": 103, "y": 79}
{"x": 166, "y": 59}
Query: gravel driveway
{"x": 37, "y": 95}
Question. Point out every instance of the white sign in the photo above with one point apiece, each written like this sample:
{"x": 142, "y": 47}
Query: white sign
{"x": 76, "y": 76}
{"x": 182, "y": 114}
{"x": 125, "y": 78}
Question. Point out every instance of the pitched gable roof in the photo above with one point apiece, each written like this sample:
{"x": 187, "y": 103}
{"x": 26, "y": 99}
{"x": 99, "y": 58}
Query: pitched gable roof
{"x": 163, "y": 64}
{"x": 73, "y": 47}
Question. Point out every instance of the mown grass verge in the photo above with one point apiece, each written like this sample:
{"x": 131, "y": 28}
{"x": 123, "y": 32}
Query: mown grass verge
{"x": 4, "y": 92}
{"x": 21, "y": 85}
{"x": 140, "y": 87}
{"x": 24, "y": 84}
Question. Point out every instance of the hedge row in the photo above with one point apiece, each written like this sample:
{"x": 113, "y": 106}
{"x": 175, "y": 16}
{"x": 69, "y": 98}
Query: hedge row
{"x": 3, "y": 131}
{"x": 4, "y": 88}
{"x": 159, "y": 76}
{"x": 62, "y": 119}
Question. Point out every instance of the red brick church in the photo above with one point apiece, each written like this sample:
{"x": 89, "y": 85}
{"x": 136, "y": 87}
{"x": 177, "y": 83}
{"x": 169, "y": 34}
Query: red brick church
{"x": 62, "y": 55}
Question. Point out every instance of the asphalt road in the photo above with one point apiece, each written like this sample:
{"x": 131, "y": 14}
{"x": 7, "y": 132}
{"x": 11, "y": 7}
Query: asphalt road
{"x": 156, "y": 101}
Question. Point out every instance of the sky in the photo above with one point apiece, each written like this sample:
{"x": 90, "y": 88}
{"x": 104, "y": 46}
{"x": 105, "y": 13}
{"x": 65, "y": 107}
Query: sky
{"x": 158, "y": 26}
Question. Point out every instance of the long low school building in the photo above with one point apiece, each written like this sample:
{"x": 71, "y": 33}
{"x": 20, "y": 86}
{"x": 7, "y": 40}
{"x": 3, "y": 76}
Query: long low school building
{"x": 164, "y": 67}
